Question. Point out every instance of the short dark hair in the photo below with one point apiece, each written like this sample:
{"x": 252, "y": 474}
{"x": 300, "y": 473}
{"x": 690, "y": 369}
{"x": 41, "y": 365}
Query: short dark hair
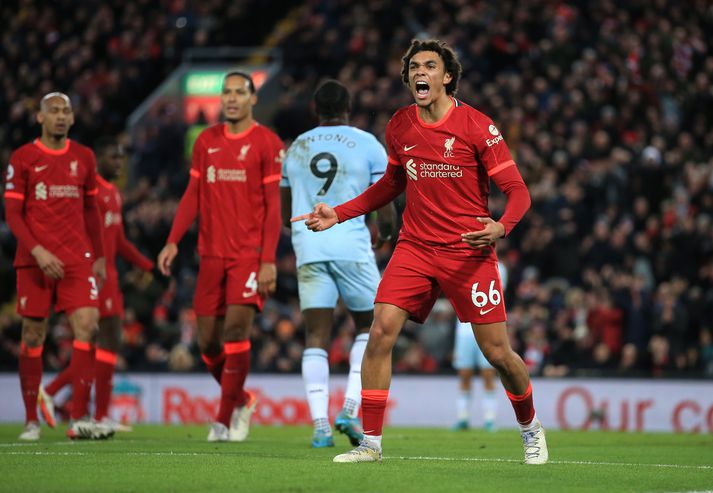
{"x": 331, "y": 99}
{"x": 244, "y": 75}
{"x": 102, "y": 144}
{"x": 449, "y": 57}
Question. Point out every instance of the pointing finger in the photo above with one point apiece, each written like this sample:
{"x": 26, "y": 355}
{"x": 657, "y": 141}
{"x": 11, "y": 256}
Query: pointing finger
{"x": 300, "y": 218}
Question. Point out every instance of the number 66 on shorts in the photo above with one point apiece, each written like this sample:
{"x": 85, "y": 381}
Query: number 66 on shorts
{"x": 416, "y": 277}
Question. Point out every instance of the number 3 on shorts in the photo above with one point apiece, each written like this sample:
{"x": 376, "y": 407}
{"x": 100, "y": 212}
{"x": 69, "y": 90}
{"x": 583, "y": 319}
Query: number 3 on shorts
{"x": 93, "y": 288}
{"x": 480, "y": 299}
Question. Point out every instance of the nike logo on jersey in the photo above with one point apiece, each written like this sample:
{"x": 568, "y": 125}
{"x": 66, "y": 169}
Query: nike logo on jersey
{"x": 408, "y": 148}
{"x": 483, "y": 312}
{"x": 40, "y": 168}
{"x": 248, "y": 294}
{"x": 212, "y": 150}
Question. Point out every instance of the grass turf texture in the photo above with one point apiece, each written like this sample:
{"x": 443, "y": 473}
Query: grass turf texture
{"x": 274, "y": 459}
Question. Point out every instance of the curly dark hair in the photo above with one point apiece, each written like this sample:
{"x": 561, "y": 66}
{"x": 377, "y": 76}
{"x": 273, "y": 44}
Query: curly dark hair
{"x": 449, "y": 57}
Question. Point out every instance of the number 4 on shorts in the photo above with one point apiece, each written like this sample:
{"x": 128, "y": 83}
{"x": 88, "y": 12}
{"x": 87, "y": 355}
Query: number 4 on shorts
{"x": 251, "y": 285}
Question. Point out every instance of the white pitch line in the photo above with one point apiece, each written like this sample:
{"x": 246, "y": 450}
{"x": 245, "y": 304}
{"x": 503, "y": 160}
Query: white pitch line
{"x": 462, "y": 459}
{"x": 573, "y": 462}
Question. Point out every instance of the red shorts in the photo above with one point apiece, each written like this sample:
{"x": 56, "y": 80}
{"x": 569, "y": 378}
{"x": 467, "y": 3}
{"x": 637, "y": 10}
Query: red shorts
{"x": 36, "y": 292}
{"x": 226, "y": 281}
{"x": 111, "y": 302}
{"x": 415, "y": 276}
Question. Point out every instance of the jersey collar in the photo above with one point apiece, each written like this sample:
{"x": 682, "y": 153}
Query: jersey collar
{"x": 54, "y": 152}
{"x": 242, "y": 134}
{"x": 442, "y": 120}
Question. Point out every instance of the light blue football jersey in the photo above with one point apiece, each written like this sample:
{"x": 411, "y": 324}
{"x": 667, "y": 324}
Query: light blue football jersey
{"x": 331, "y": 164}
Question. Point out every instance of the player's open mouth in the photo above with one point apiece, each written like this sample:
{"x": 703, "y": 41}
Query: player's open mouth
{"x": 422, "y": 89}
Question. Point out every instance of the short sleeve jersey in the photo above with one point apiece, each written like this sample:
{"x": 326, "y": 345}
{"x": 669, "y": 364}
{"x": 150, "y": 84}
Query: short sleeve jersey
{"x": 332, "y": 164}
{"x": 448, "y": 166}
{"x": 109, "y": 201}
{"x": 53, "y": 185}
{"x": 233, "y": 170}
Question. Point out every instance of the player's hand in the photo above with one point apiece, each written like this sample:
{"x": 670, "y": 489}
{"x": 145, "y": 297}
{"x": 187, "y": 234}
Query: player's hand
{"x": 267, "y": 279}
{"x": 50, "y": 265}
{"x": 321, "y": 218}
{"x": 166, "y": 258}
{"x": 485, "y": 237}
{"x": 99, "y": 269}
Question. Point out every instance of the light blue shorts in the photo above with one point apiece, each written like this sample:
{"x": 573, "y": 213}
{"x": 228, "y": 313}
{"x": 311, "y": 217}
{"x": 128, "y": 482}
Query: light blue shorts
{"x": 466, "y": 353}
{"x": 321, "y": 284}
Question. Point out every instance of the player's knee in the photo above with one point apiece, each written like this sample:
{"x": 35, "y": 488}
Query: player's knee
{"x": 317, "y": 341}
{"x": 497, "y": 356}
{"x": 33, "y": 332}
{"x": 210, "y": 347}
{"x": 33, "y": 338}
{"x": 382, "y": 337}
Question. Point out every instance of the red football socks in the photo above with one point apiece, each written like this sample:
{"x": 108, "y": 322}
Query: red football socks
{"x": 373, "y": 406}
{"x": 214, "y": 364}
{"x": 30, "y": 378}
{"x": 104, "y": 374}
{"x": 81, "y": 367}
{"x": 235, "y": 370}
{"x": 64, "y": 378}
{"x": 523, "y": 405}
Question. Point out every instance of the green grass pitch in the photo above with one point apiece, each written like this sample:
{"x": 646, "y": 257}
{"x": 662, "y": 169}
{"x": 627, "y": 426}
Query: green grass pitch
{"x": 278, "y": 459}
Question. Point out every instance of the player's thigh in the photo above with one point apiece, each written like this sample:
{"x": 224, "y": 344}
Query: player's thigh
{"x": 464, "y": 350}
{"x": 316, "y": 286}
{"x": 473, "y": 286}
{"x": 78, "y": 289}
{"x": 238, "y": 322}
{"x": 241, "y": 282}
{"x": 34, "y": 293}
{"x": 111, "y": 302}
{"x": 357, "y": 283}
{"x": 409, "y": 283}
{"x": 209, "y": 296}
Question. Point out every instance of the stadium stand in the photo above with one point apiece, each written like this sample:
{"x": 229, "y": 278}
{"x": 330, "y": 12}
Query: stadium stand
{"x": 608, "y": 110}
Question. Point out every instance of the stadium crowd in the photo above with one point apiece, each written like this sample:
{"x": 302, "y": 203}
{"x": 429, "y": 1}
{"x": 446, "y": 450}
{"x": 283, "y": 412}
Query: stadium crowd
{"x": 607, "y": 109}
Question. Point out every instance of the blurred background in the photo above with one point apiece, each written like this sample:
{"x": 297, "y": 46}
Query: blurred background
{"x": 607, "y": 109}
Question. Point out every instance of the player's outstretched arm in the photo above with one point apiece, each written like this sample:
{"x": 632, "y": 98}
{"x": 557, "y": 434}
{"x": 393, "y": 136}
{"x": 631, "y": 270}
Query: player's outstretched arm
{"x": 321, "y": 218}
{"x": 377, "y": 196}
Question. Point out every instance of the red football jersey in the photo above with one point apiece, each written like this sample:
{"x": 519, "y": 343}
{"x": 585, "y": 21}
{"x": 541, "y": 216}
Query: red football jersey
{"x": 53, "y": 184}
{"x": 233, "y": 170}
{"x": 109, "y": 202}
{"x": 115, "y": 242}
{"x": 448, "y": 165}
